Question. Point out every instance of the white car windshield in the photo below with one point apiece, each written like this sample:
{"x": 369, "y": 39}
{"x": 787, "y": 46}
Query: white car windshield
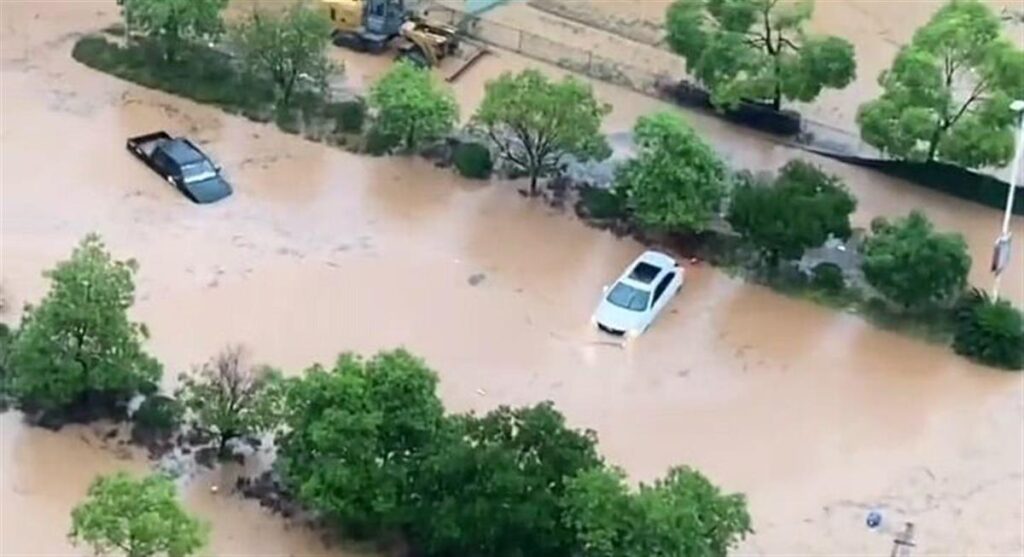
{"x": 627, "y": 297}
{"x": 197, "y": 172}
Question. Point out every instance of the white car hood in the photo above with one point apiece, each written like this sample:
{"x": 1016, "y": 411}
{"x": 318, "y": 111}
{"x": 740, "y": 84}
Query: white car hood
{"x": 620, "y": 319}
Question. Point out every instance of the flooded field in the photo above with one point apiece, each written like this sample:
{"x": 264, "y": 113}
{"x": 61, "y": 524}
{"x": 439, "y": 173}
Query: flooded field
{"x": 627, "y": 32}
{"x": 816, "y": 415}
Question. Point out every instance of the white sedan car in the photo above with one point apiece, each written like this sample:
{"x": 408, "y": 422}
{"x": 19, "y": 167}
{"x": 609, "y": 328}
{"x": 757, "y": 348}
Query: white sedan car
{"x": 631, "y": 304}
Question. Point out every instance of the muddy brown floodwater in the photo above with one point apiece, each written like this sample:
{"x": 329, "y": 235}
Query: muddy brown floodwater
{"x": 814, "y": 414}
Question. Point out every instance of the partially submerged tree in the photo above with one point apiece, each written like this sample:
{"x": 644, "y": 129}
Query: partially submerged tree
{"x": 990, "y": 331}
{"x": 757, "y": 50}
{"x": 136, "y": 518}
{"x": 411, "y": 108}
{"x": 676, "y": 182}
{"x": 492, "y": 486}
{"x": 354, "y": 436}
{"x": 682, "y": 515}
{"x": 286, "y": 46}
{"x": 78, "y": 343}
{"x": 535, "y": 123}
{"x": 228, "y": 398}
{"x": 912, "y": 264}
{"x": 173, "y": 22}
{"x": 800, "y": 210}
{"x": 947, "y": 95}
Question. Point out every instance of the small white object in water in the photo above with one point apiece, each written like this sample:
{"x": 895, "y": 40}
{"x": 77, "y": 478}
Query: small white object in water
{"x": 481, "y": 392}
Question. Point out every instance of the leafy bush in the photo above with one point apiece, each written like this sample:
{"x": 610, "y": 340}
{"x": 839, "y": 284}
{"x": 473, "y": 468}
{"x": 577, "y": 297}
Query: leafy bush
{"x": 473, "y": 160}
{"x": 159, "y": 414}
{"x": 379, "y": 143}
{"x": 801, "y": 209}
{"x": 828, "y": 277}
{"x": 913, "y": 265}
{"x": 349, "y": 115}
{"x": 602, "y": 203}
{"x": 989, "y": 331}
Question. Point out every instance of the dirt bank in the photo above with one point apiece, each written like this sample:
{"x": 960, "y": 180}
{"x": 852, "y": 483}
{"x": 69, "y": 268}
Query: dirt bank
{"x": 816, "y": 415}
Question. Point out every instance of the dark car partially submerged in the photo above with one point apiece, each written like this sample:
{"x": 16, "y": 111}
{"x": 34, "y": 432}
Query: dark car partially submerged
{"x": 183, "y": 164}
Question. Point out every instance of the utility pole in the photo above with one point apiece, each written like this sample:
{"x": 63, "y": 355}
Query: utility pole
{"x": 903, "y": 542}
{"x": 1001, "y": 254}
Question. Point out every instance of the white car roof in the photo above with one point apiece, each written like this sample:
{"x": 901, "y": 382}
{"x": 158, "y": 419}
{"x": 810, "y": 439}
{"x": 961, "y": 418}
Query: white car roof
{"x": 663, "y": 262}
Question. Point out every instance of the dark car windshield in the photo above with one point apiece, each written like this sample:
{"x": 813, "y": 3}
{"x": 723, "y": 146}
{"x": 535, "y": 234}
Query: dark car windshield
{"x": 627, "y": 297}
{"x": 198, "y": 171}
{"x": 208, "y": 191}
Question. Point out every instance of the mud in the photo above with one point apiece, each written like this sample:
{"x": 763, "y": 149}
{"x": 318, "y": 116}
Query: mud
{"x": 816, "y": 415}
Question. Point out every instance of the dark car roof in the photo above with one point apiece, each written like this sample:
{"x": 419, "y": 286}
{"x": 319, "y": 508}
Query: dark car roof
{"x": 182, "y": 151}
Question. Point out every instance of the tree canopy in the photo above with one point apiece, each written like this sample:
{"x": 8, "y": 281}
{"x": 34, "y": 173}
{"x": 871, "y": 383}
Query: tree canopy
{"x": 411, "y": 107}
{"x": 801, "y": 209}
{"x": 676, "y": 181}
{"x": 78, "y": 341}
{"x": 286, "y": 45}
{"x": 682, "y": 515}
{"x": 229, "y": 398}
{"x": 136, "y": 518}
{"x": 912, "y": 264}
{"x": 493, "y": 487}
{"x": 947, "y": 95}
{"x": 535, "y": 122}
{"x": 174, "y": 21}
{"x": 758, "y": 50}
{"x": 354, "y": 434}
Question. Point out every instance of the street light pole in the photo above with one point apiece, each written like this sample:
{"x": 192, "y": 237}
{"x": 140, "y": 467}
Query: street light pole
{"x": 1003, "y": 242}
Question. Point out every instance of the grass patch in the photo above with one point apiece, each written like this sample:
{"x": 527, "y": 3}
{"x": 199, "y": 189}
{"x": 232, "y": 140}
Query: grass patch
{"x": 209, "y": 76}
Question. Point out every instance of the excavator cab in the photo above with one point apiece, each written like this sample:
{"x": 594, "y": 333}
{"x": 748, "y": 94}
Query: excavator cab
{"x": 365, "y": 25}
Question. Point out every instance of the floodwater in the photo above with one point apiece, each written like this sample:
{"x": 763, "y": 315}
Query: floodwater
{"x": 876, "y": 28}
{"x": 814, "y": 414}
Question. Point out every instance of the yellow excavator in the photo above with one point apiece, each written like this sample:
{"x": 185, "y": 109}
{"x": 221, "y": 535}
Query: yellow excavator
{"x": 376, "y": 25}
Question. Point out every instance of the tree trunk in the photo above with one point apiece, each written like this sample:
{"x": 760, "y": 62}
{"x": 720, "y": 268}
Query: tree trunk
{"x": 533, "y": 181}
{"x": 777, "y": 99}
{"x": 933, "y": 145}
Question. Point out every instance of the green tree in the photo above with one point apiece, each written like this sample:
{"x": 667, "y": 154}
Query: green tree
{"x": 230, "y": 399}
{"x": 411, "y": 107}
{"x": 676, "y": 181}
{"x": 285, "y": 45}
{"x": 757, "y": 49}
{"x": 947, "y": 95}
{"x": 535, "y": 122}
{"x": 173, "y": 22}
{"x": 354, "y": 435}
{"x": 136, "y": 518}
{"x": 800, "y": 210}
{"x": 914, "y": 266}
{"x": 989, "y": 331}
{"x": 78, "y": 343}
{"x": 493, "y": 486}
{"x": 683, "y": 515}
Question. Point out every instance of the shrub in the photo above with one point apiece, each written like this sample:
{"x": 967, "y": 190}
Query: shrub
{"x": 913, "y": 265}
{"x": 473, "y": 160}
{"x": 989, "y": 331}
{"x": 349, "y": 115}
{"x": 828, "y": 277}
{"x": 602, "y": 203}
{"x": 159, "y": 414}
{"x": 379, "y": 143}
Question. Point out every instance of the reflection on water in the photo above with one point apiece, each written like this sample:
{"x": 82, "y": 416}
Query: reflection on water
{"x": 814, "y": 414}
